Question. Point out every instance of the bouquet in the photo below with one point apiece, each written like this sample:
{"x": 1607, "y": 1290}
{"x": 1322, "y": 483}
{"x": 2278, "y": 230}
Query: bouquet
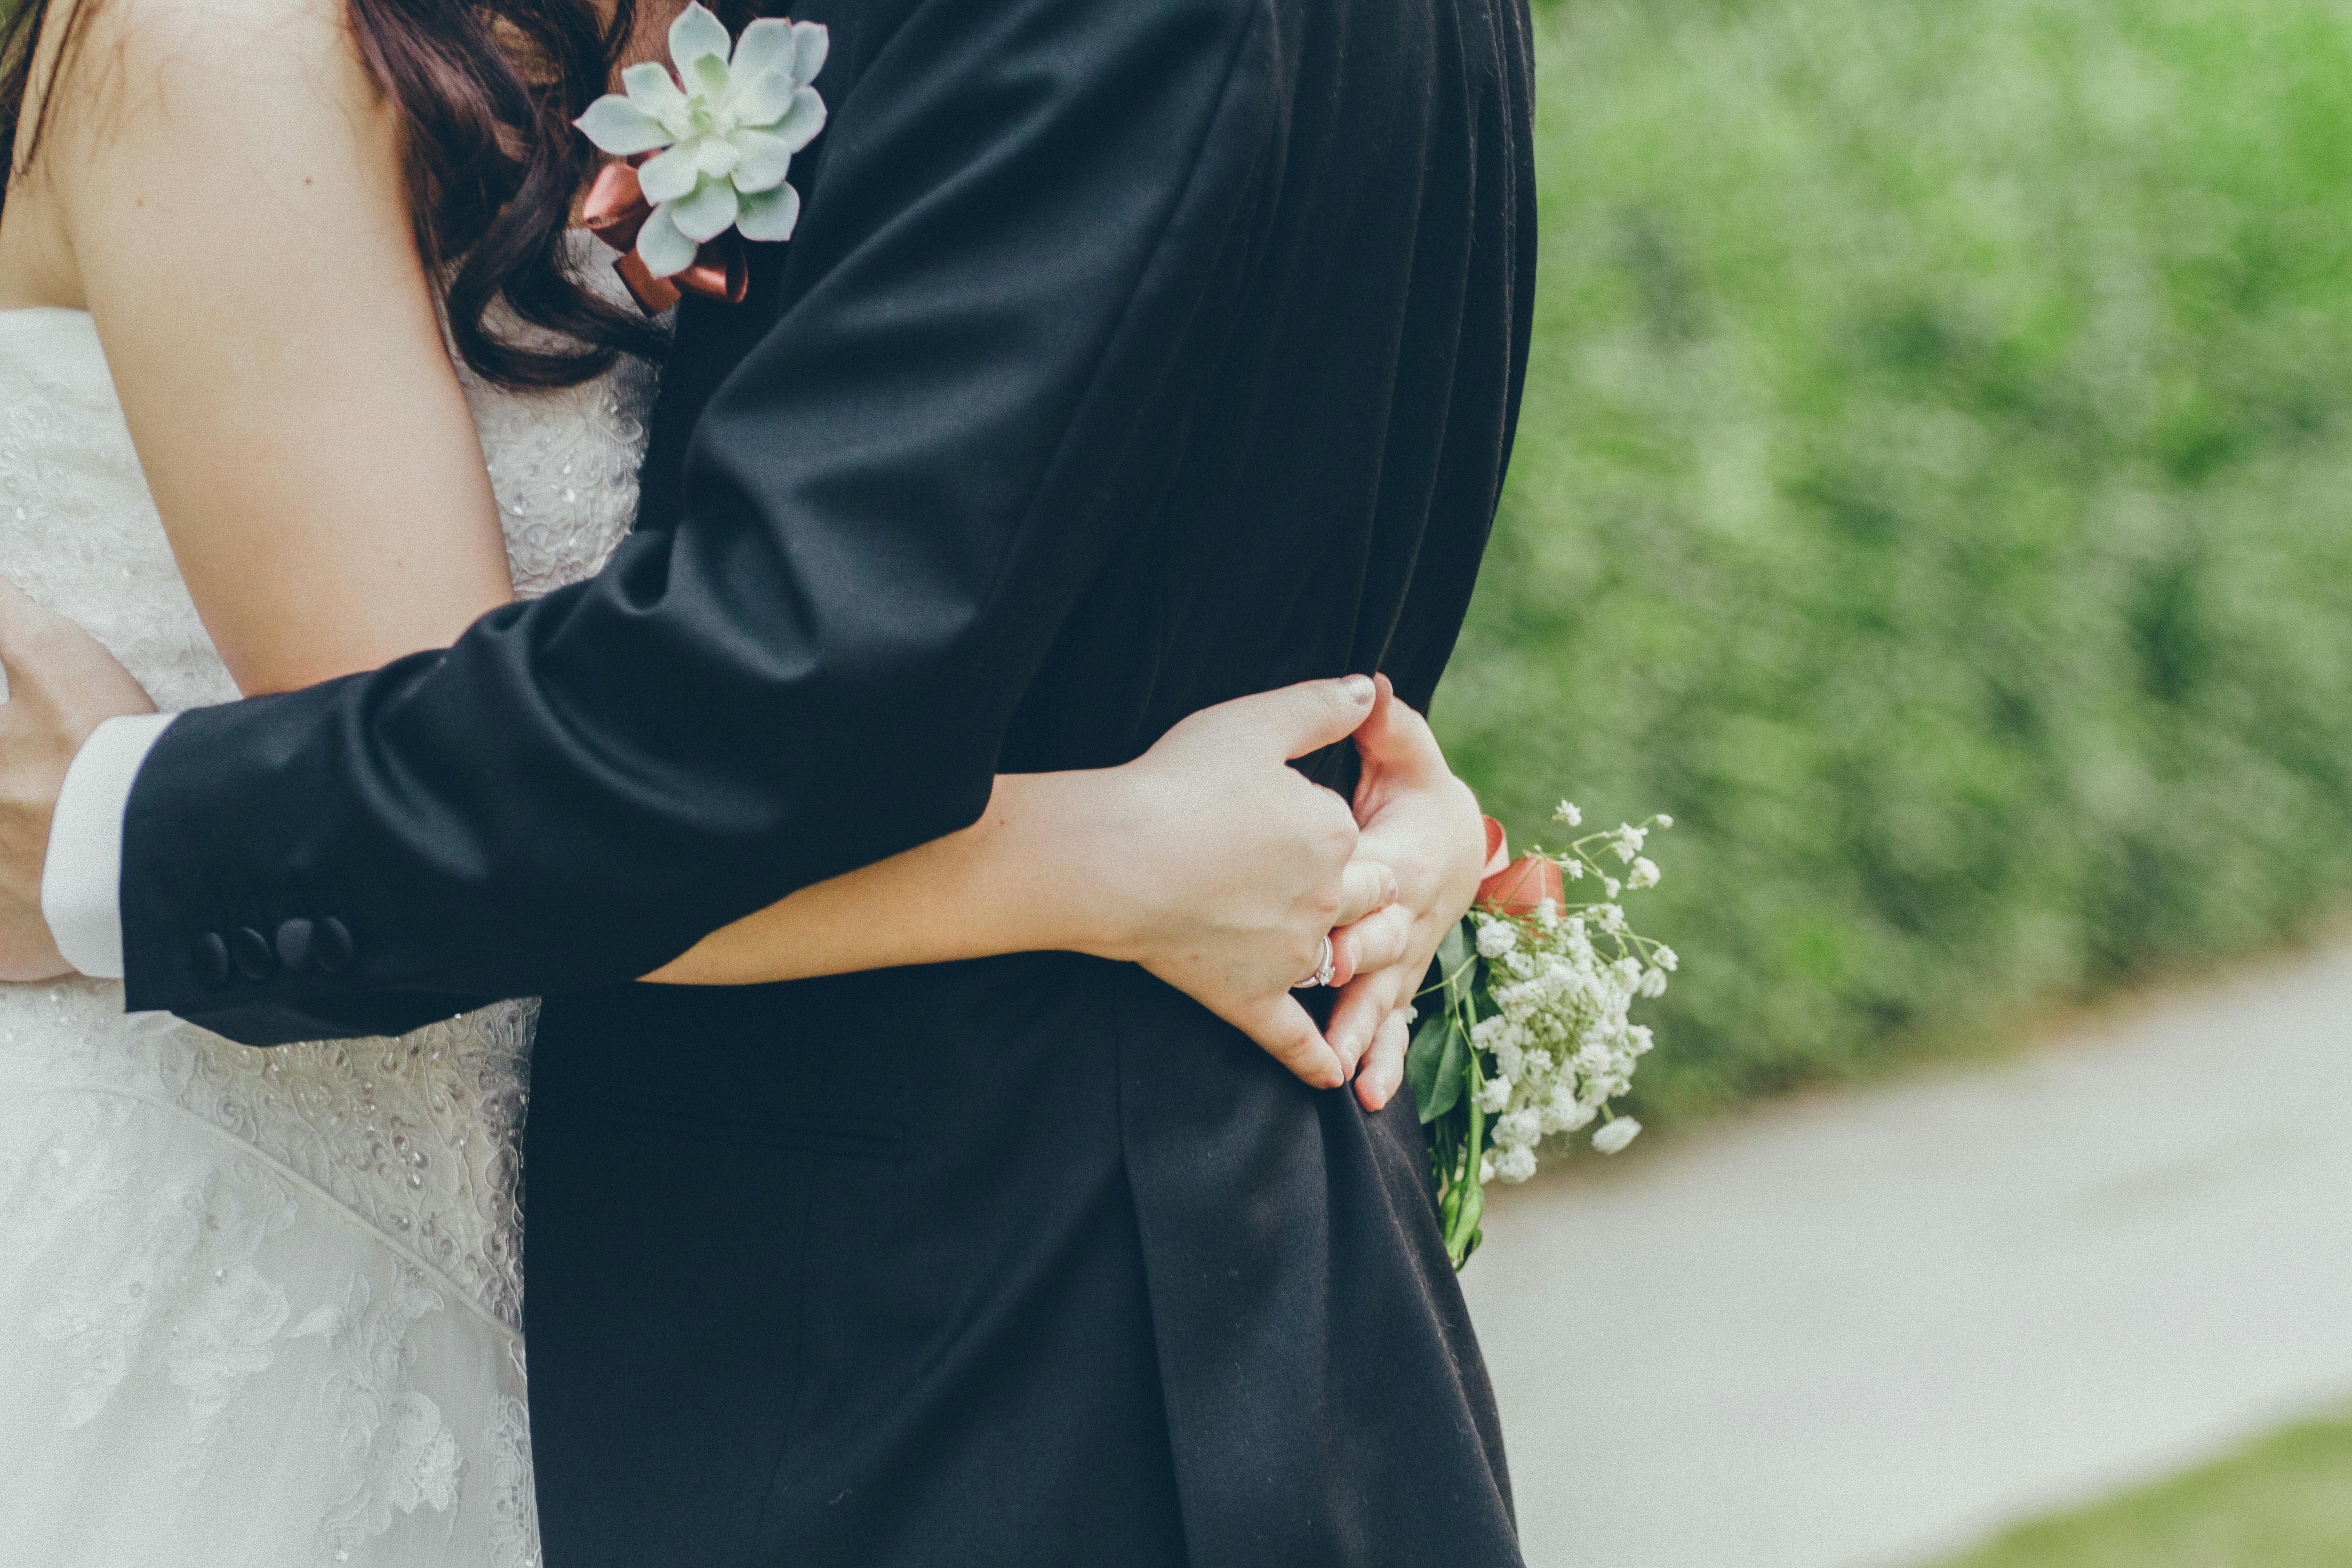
{"x": 1530, "y": 1035}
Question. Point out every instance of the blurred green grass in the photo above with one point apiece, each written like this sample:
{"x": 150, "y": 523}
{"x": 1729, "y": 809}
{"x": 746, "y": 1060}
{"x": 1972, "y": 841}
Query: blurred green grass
{"x": 2279, "y": 1503}
{"x": 1932, "y": 488}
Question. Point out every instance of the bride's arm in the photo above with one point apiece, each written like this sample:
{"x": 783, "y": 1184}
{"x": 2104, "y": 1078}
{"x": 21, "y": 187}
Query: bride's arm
{"x": 1207, "y": 833}
{"x": 224, "y": 187}
{"x": 1207, "y": 861}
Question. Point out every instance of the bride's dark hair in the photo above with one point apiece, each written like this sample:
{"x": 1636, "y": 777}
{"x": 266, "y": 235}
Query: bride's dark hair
{"x": 486, "y": 91}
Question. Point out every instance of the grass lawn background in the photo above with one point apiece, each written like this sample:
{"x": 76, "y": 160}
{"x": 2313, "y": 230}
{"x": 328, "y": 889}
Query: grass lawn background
{"x": 2283, "y": 1502}
{"x": 1933, "y": 490}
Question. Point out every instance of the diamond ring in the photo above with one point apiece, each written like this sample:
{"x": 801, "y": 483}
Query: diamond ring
{"x": 1324, "y": 971}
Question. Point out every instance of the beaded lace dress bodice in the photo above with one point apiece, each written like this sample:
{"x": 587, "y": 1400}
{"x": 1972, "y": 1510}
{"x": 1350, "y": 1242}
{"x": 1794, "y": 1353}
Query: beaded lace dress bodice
{"x": 410, "y": 1142}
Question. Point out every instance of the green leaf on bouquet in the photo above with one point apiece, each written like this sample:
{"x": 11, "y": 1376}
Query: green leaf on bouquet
{"x": 1453, "y": 964}
{"x": 1424, "y": 1066}
{"x": 1453, "y": 1068}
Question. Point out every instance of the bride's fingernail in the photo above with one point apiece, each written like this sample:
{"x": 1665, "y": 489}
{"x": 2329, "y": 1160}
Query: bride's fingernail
{"x": 1360, "y": 689}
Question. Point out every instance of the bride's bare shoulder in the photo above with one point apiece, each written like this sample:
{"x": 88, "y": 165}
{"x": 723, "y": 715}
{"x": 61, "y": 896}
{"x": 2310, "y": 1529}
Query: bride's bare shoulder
{"x": 112, "y": 60}
{"x": 251, "y": 123}
{"x": 256, "y": 89}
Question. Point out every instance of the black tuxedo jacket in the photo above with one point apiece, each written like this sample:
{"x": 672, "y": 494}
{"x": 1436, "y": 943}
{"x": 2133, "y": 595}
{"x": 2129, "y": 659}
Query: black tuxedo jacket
{"x": 1131, "y": 355}
{"x": 1128, "y": 358}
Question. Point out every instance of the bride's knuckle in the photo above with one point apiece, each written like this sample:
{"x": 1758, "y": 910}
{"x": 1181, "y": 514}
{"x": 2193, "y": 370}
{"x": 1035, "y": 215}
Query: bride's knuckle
{"x": 1337, "y": 833}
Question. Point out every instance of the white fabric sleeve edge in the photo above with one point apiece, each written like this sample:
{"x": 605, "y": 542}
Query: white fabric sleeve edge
{"x": 81, "y": 881}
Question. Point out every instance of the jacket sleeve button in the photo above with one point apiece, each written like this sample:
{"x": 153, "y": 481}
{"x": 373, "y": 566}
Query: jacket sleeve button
{"x": 331, "y": 947}
{"x": 297, "y": 945}
{"x": 209, "y": 957}
{"x": 249, "y": 951}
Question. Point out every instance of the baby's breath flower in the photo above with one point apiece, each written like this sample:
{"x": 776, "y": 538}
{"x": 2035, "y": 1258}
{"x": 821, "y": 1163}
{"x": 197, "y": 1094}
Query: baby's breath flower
{"x": 1556, "y": 1047}
{"x": 1569, "y": 815}
{"x": 1517, "y": 1130}
{"x": 1510, "y": 1056}
{"x": 1664, "y": 821}
{"x": 1612, "y": 1138}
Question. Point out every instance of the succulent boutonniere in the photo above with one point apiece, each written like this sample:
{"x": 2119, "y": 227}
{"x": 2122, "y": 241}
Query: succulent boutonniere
{"x": 709, "y": 146}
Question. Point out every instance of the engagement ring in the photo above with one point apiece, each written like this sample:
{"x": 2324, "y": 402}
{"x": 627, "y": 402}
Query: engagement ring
{"x": 1324, "y": 971}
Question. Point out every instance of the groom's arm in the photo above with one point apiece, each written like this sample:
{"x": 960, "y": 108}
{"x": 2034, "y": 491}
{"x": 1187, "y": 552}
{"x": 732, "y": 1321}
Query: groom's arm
{"x": 1024, "y": 210}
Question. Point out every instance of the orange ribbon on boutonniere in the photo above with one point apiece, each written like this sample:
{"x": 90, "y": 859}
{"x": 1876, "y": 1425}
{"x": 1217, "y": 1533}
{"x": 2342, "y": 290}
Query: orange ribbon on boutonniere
{"x": 1517, "y": 887}
{"x": 616, "y": 209}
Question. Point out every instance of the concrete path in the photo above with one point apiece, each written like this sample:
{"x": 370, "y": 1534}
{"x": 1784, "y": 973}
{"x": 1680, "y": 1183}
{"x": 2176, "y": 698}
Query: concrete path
{"x": 1857, "y": 1330}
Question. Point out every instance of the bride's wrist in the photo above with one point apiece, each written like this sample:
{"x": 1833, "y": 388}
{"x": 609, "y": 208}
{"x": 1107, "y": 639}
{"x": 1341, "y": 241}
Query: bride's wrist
{"x": 1070, "y": 839}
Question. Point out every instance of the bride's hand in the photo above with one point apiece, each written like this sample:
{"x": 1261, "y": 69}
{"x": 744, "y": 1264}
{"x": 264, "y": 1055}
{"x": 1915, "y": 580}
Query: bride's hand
{"x": 1228, "y": 869}
{"x": 1423, "y": 824}
{"x": 62, "y": 684}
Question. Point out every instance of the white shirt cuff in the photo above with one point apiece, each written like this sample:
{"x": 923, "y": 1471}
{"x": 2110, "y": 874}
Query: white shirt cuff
{"x": 81, "y": 883}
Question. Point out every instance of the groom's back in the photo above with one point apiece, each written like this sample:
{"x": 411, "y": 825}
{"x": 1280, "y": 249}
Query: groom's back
{"x": 1332, "y": 478}
{"x": 1196, "y": 379}
{"x": 1296, "y": 478}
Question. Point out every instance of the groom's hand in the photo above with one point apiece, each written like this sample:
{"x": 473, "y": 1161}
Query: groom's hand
{"x": 61, "y": 686}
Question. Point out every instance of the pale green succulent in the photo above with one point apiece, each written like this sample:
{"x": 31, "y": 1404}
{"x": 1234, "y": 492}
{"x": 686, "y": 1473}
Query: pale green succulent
{"x": 725, "y": 128}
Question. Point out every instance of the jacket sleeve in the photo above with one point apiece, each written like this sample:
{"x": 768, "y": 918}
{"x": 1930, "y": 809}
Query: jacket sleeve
{"x": 887, "y": 510}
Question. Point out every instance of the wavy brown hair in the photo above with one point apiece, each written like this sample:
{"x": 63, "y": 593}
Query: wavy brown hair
{"x": 486, "y": 91}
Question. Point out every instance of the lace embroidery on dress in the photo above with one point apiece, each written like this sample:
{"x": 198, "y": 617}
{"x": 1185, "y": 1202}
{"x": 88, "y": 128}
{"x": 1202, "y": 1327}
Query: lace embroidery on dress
{"x": 416, "y": 1136}
{"x": 411, "y": 1142}
{"x": 514, "y": 1533}
{"x": 391, "y": 1436}
{"x": 189, "y": 1285}
{"x": 71, "y": 1172}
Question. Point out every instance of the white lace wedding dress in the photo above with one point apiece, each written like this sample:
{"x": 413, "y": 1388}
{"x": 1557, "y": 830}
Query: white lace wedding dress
{"x": 260, "y": 1309}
